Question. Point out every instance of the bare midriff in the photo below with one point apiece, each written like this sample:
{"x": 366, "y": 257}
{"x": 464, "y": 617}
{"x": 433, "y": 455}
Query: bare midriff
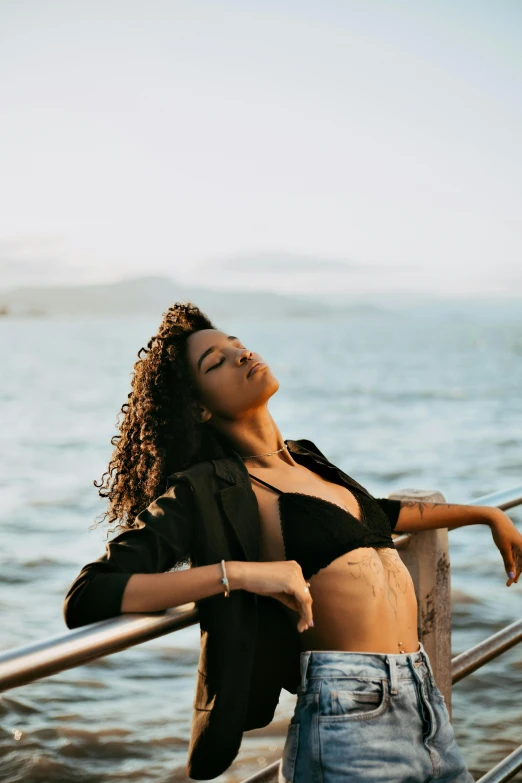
{"x": 362, "y": 601}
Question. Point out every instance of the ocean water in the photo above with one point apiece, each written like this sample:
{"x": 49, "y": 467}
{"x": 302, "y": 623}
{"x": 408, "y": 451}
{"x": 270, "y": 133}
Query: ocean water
{"x": 420, "y": 397}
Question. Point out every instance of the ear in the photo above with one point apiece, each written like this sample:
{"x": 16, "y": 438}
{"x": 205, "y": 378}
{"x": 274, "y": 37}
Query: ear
{"x": 202, "y": 414}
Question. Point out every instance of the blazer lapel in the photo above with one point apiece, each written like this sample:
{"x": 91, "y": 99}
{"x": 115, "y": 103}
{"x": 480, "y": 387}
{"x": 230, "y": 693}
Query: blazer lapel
{"x": 239, "y": 504}
{"x": 243, "y": 517}
{"x": 310, "y": 452}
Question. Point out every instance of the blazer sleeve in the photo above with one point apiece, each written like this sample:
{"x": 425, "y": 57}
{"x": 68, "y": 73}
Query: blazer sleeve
{"x": 161, "y": 539}
{"x": 391, "y": 508}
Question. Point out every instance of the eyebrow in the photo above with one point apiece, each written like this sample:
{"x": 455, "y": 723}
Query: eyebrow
{"x": 213, "y": 348}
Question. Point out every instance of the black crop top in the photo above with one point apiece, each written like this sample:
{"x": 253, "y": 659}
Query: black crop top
{"x": 317, "y": 531}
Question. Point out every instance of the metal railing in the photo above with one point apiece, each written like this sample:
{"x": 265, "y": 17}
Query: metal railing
{"x": 22, "y": 665}
{"x": 67, "y": 650}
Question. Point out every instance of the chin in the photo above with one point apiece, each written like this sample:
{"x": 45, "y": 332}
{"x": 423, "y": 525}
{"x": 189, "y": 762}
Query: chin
{"x": 270, "y": 385}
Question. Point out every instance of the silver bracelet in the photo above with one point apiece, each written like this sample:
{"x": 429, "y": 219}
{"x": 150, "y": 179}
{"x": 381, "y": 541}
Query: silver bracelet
{"x": 224, "y": 581}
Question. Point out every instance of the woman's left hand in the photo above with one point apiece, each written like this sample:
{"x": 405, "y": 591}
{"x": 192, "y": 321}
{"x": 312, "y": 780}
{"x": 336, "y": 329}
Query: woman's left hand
{"x": 509, "y": 543}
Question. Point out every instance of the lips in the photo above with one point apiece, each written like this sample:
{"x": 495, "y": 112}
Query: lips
{"x": 256, "y": 364}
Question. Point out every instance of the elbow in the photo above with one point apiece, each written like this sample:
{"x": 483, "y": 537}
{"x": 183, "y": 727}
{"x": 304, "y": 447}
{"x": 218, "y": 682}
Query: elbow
{"x": 94, "y": 597}
{"x": 72, "y": 613}
{"x": 69, "y": 618}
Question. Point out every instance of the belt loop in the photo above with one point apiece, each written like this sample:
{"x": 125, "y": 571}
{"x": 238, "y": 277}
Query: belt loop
{"x": 392, "y": 663}
{"x": 429, "y": 667}
{"x": 424, "y": 657}
{"x": 305, "y": 657}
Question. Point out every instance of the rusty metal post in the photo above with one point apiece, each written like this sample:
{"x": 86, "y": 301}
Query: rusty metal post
{"x": 426, "y": 556}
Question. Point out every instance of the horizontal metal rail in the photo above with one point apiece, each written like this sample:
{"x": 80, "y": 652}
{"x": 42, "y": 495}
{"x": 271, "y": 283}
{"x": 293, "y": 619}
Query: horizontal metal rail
{"x": 34, "y": 661}
{"x": 483, "y": 652}
{"x": 505, "y": 769}
{"x": 507, "y": 498}
{"x": 22, "y": 665}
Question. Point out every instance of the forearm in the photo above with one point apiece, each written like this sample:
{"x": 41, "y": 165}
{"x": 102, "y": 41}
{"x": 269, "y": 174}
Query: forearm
{"x": 154, "y": 592}
{"x": 418, "y": 515}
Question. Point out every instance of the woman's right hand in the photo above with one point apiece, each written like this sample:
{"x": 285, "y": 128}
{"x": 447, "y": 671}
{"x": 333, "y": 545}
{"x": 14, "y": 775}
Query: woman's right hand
{"x": 280, "y": 579}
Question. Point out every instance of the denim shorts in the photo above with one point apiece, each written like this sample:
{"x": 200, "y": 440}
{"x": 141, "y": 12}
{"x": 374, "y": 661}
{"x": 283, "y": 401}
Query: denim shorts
{"x": 372, "y": 717}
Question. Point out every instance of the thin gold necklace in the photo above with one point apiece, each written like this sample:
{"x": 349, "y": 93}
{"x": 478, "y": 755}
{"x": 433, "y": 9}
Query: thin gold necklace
{"x": 251, "y": 456}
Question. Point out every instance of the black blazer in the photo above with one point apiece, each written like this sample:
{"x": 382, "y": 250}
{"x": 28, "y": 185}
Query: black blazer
{"x": 248, "y": 648}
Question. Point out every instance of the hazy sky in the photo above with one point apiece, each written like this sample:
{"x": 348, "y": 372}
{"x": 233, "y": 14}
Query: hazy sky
{"x": 206, "y": 139}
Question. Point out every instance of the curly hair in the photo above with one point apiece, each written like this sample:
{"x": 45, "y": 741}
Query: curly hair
{"x": 159, "y": 433}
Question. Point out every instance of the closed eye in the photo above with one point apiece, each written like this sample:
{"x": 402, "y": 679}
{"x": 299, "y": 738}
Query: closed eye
{"x": 215, "y": 365}
{"x": 223, "y": 358}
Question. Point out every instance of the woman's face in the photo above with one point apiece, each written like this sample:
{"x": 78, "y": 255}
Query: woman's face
{"x": 220, "y": 365}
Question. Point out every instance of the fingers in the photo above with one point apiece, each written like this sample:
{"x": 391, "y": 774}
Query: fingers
{"x": 299, "y": 589}
{"x": 305, "y": 601}
{"x": 514, "y": 568}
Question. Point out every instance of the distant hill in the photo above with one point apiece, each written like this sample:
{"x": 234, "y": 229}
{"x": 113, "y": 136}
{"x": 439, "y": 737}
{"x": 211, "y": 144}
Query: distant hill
{"x": 152, "y": 295}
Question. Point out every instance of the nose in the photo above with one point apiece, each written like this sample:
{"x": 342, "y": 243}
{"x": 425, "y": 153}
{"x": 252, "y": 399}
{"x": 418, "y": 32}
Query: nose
{"x": 244, "y": 355}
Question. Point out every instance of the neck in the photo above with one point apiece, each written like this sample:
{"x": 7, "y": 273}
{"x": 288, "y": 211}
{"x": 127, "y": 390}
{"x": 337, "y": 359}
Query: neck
{"x": 259, "y": 434}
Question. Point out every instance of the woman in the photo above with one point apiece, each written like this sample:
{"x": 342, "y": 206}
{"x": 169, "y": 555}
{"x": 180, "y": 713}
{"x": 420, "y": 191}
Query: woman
{"x": 288, "y": 554}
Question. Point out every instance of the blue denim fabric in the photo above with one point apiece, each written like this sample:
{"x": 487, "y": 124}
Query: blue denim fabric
{"x": 372, "y": 717}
